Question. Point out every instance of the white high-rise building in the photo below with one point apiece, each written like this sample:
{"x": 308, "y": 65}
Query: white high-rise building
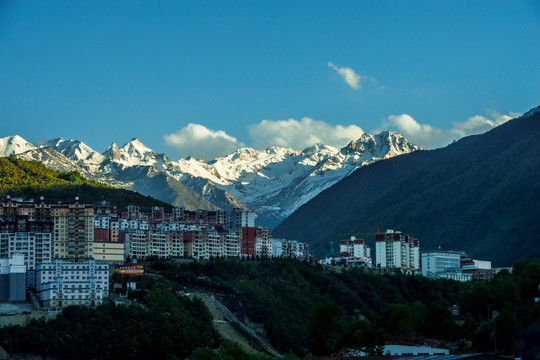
{"x": 397, "y": 251}
{"x": 355, "y": 248}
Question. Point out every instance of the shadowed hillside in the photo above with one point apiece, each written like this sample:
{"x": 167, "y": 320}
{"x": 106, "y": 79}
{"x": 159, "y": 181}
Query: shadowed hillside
{"x": 479, "y": 194}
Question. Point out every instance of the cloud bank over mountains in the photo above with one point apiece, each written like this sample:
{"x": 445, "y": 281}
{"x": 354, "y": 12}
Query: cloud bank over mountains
{"x": 302, "y": 134}
{"x": 430, "y": 137}
{"x": 200, "y": 142}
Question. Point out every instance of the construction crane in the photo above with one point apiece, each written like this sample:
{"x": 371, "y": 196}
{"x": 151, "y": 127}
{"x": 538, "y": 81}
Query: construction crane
{"x": 360, "y": 234}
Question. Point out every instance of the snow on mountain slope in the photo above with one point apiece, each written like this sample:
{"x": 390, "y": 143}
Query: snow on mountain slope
{"x": 76, "y": 151}
{"x": 14, "y": 145}
{"x": 272, "y": 182}
{"x": 50, "y": 158}
{"x": 276, "y": 181}
{"x": 135, "y": 153}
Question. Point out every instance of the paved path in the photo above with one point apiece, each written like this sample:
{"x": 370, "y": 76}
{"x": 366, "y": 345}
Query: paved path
{"x": 223, "y": 320}
{"x": 224, "y": 328}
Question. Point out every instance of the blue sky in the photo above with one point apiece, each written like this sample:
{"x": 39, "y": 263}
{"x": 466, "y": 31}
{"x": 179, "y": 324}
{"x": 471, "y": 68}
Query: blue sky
{"x": 205, "y": 77}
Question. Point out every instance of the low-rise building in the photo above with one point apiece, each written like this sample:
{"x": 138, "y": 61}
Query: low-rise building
{"x": 438, "y": 261}
{"x": 13, "y": 278}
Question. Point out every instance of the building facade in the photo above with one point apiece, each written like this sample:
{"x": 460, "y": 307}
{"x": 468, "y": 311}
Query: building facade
{"x": 397, "y": 251}
{"x": 63, "y": 283}
{"x": 13, "y": 278}
{"x": 437, "y": 261}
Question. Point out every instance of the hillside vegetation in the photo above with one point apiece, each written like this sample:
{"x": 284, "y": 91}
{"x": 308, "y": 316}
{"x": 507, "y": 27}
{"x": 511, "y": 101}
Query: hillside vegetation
{"x": 300, "y": 307}
{"x": 31, "y": 179}
{"x": 307, "y": 308}
{"x": 480, "y": 195}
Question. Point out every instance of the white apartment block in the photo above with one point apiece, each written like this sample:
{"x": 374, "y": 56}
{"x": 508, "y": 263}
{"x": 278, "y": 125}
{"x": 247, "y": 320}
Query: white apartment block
{"x": 160, "y": 245}
{"x": 176, "y": 244}
{"x": 137, "y": 243}
{"x": 214, "y": 244}
{"x": 438, "y": 261}
{"x": 35, "y": 246}
{"x": 355, "y": 248}
{"x": 64, "y": 283}
{"x": 231, "y": 245}
{"x": 395, "y": 250}
{"x": 290, "y": 248}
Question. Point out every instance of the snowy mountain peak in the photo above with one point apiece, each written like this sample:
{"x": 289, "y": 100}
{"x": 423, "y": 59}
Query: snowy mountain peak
{"x": 136, "y": 148}
{"x": 393, "y": 143}
{"x": 319, "y": 148}
{"x": 112, "y": 152}
{"x": 272, "y": 182}
{"x": 75, "y": 150}
{"x": 14, "y": 145}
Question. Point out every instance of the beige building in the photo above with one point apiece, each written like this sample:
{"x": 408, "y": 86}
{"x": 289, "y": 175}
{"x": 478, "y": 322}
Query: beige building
{"x": 73, "y": 230}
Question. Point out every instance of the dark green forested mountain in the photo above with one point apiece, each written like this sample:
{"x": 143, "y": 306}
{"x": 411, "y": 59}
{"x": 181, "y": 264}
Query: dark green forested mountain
{"x": 31, "y": 179}
{"x": 480, "y": 194}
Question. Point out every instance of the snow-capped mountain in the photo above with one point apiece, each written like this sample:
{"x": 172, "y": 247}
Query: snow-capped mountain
{"x": 14, "y": 145}
{"x": 272, "y": 182}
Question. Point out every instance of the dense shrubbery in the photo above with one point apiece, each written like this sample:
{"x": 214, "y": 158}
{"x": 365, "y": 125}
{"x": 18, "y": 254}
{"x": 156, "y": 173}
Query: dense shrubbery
{"x": 309, "y": 308}
{"x": 304, "y": 308}
{"x": 297, "y": 301}
{"x": 168, "y": 326}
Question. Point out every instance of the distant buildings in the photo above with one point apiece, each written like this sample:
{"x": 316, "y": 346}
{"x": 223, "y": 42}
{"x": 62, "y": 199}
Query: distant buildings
{"x": 454, "y": 265}
{"x": 65, "y": 249}
{"x": 437, "y": 261}
{"x": 355, "y": 251}
{"x": 397, "y": 251}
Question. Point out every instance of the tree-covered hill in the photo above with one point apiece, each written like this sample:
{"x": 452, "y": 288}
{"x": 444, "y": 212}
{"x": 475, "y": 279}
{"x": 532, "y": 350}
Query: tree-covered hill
{"x": 480, "y": 195}
{"x": 31, "y": 179}
{"x": 300, "y": 307}
{"x": 308, "y": 308}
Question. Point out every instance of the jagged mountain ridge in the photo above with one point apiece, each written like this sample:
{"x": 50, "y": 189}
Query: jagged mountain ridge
{"x": 272, "y": 182}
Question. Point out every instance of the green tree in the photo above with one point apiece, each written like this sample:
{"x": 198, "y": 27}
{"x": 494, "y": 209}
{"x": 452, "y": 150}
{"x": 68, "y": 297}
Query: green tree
{"x": 325, "y": 328}
{"x": 395, "y": 320}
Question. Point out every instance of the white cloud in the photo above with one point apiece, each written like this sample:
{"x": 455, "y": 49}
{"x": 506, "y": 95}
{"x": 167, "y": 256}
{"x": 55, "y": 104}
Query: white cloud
{"x": 428, "y": 136}
{"x": 200, "y": 142}
{"x": 301, "y": 134}
{"x": 479, "y": 124}
{"x": 349, "y": 75}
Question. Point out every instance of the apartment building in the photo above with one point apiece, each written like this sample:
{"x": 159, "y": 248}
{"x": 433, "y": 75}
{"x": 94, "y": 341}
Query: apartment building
{"x": 291, "y": 248}
{"x": 397, "y": 251}
{"x": 73, "y": 230}
{"x": 354, "y": 247}
{"x": 263, "y": 241}
{"x": 435, "y": 262}
{"x": 63, "y": 283}
{"x": 31, "y": 238}
{"x": 243, "y": 222}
